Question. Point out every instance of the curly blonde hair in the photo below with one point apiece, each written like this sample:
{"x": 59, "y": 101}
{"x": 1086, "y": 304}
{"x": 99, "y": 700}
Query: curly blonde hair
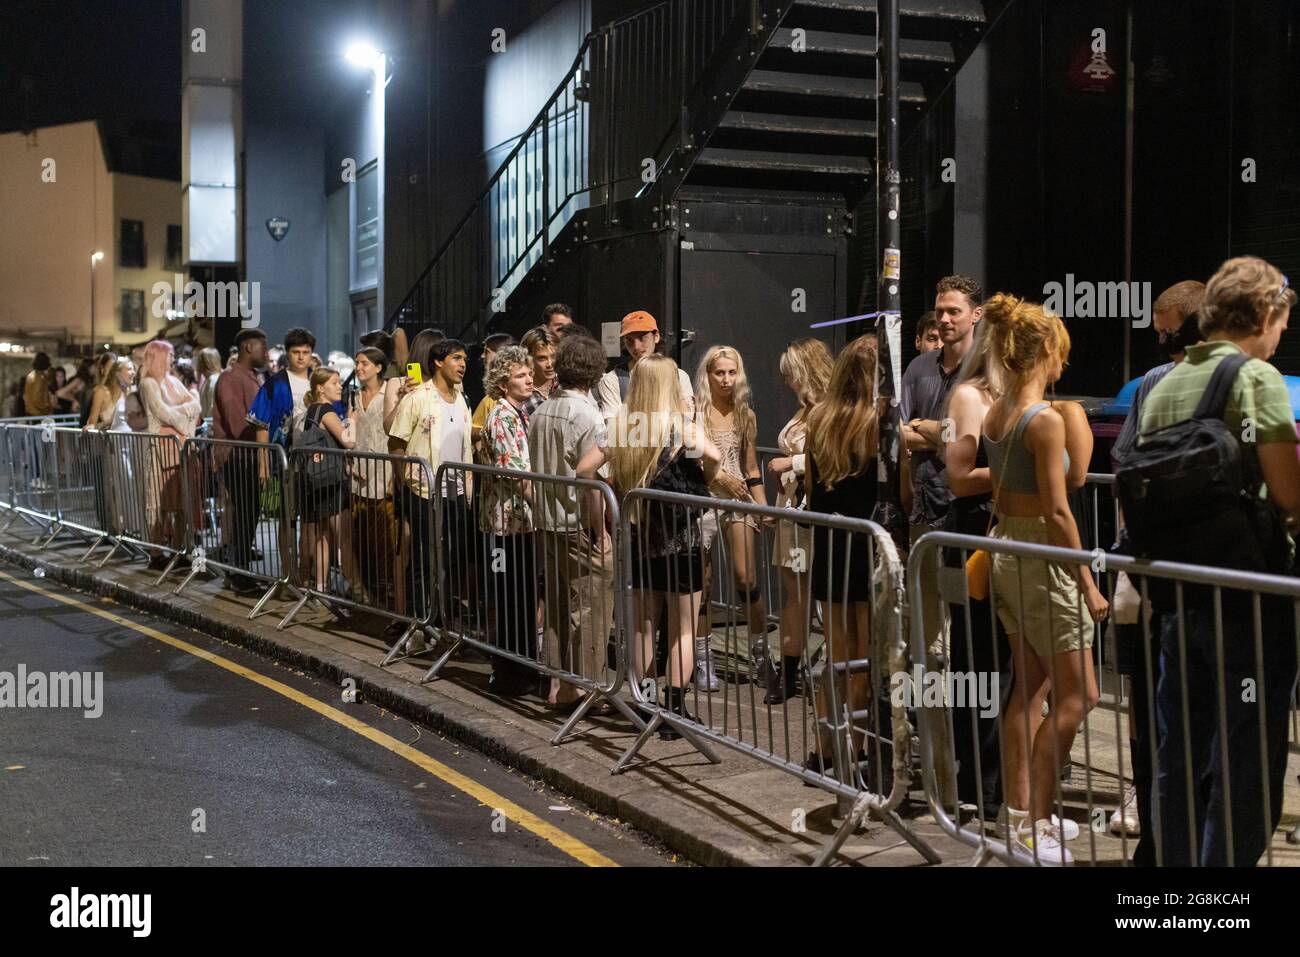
{"x": 502, "y": 368}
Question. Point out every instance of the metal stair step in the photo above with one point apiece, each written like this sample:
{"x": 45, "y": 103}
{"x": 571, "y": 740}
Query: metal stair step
{"x": 844, "y": 87}
{"x": 855, "y": 44}
{"x": 783, "y": 162}
{"x": 807, "y": 125}
{"x": 969, "y": 11}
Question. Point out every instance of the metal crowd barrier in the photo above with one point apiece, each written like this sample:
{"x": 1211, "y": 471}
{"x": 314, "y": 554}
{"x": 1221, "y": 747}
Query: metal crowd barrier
{"x": 85, "y": 486}
{"x": 353, "y": 546}
{"x": 241, "y": 495}
{"x": 154, "y": 515}
{"x": 1205, "y": 744}
{"x": 833, "y": 706}
{"x": 522, "y": 545}
{"x": 33, "y": 478}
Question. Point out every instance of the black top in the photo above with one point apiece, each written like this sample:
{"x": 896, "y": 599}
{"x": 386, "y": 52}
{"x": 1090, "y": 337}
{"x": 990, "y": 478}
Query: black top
{"x": 854, "y": 497}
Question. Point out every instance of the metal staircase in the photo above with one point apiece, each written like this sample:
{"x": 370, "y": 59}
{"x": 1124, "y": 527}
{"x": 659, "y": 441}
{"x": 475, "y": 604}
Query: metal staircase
{"x": 685, "y": 95}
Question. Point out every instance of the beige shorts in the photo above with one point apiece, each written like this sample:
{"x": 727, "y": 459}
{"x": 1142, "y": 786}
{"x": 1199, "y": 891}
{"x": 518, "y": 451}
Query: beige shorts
{"x": 1036, "y": 599}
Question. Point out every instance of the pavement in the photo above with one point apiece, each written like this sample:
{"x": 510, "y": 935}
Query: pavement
{"x": 198, "y": 753}
{"x": 740, "y": 811}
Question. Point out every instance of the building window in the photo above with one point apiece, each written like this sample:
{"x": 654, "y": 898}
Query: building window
{"x": 365, "y": 230}
{"x": 174, "y": 254}
{"x": 133, "y": 310}
{"x": 132, "y": 252}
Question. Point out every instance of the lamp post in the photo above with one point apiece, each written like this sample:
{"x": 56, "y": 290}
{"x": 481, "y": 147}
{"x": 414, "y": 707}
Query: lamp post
{"x": 95, "y": 257}
{"x": 366, "y": 56}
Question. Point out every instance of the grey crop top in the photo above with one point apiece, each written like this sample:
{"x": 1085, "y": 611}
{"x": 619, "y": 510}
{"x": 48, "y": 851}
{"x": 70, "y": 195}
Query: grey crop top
{"x": 1010, "y": 461}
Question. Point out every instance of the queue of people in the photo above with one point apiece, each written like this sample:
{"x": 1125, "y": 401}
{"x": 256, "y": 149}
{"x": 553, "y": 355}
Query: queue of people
{"x": 990, "y": 451}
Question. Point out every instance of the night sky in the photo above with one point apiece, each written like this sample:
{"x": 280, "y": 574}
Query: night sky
{"x": 112, "y": 60}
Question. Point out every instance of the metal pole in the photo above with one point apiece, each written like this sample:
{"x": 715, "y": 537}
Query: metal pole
{"x": 92, "y": 305}
{"x": 379, "y": 107}
{"x": 888, "y": 512}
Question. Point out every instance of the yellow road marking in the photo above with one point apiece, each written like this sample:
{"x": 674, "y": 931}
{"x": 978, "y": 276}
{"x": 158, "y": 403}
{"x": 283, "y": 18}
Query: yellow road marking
{"x": 484, "y": 795}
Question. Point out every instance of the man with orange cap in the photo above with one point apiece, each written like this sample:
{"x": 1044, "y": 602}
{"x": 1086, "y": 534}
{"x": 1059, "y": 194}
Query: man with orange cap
{"x": 639, "y": 334}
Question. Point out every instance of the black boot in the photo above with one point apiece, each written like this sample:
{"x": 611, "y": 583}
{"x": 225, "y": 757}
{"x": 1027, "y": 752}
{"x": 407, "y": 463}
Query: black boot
{"x": 674, "y": 701}
{"x": 789, "y": 677}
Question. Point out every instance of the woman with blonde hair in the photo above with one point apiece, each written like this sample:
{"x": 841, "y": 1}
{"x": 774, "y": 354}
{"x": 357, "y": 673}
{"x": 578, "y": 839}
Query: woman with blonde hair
{"x": 723, "y": 409}
{"x": 322, "y": 498}
{"x": 171, "y": 410}
{"x": 840, "y": 478}
{"x": 806, "y": 367}
{"x": 1040, "y": 604}
{"x": 206, "y": 370}
{"x": 652, "y": 445}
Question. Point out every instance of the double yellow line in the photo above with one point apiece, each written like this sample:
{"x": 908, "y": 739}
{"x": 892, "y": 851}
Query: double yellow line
{"x": 484, "y": 795}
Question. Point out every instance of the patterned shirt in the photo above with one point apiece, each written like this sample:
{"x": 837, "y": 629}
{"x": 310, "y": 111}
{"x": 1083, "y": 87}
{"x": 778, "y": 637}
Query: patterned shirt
{"x": 503, "y": 509}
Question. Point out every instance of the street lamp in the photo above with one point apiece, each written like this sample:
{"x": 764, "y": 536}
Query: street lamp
{"x": 364, "y": 55}
{"x": 95, "y": 257}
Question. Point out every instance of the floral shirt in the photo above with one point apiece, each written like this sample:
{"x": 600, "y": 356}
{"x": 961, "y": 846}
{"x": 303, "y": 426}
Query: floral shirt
{"x": 504, "y": 510}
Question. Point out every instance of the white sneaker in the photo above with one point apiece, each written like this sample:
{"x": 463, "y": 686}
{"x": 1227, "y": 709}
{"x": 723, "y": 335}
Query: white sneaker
{"x": 1125, "y": 819}
{"x": 1010, "y": 817}
{"x": 1069, "y": 829}
{"x": 1046, "y": 837}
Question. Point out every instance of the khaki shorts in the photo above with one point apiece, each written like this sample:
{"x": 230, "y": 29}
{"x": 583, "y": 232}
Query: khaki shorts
{"x": 1035, "y": 599}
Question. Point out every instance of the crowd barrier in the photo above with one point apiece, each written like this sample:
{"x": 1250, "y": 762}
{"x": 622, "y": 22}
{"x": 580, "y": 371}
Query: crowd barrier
{"x": 358, "y": 531}
{"x": 358, "y": 537}
{"x": 836, "y": 728}
{"x": 518, "y": 548}
{"x": 1202, "y": 739}
{"x": 244, "y": 504}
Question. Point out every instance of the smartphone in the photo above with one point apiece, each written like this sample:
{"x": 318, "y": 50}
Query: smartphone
{"x": 413, "y": 373}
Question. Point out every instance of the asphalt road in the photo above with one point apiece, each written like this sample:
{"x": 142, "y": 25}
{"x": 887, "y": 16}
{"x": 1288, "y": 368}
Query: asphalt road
{"x": 193, "y": 762}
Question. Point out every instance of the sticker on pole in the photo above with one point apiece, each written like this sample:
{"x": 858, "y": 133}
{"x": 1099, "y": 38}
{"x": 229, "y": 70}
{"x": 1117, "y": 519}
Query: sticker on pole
{"x": 891, "y": 268}
{"x": 47, "y": 431}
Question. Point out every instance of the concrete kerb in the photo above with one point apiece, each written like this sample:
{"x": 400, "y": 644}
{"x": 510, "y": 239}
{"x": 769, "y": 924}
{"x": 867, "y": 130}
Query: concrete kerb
{"x": 685, "y": 829}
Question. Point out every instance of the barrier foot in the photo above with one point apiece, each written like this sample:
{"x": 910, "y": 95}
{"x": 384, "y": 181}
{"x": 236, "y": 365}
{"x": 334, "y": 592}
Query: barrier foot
{"x": 188, "y": 578}
{"x": 396, "y": 651}
{"x": 638, "y": 744}
{"x": 168, "y": 570}
{"x": 911, "y": 837}
{"x": 860, "y": 809}
{"x": 567, "y": 728}
{"x": 111, "y": 552}
{"x": 54, "y": 533}
{"x": 13, "y": 517}
{"x": 261, "y": 602}
{"x": 442, "y": 660}
{"x": 284, "y": 622}
{"x": 91, "y": 550}
{"x": 982, "y": 857}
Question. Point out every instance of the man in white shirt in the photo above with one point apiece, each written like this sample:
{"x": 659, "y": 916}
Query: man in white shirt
{"x": 639, "y": 334}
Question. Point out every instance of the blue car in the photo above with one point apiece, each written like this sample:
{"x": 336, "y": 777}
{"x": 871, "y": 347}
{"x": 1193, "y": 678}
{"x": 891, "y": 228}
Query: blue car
{"x": 1117, "y": 408}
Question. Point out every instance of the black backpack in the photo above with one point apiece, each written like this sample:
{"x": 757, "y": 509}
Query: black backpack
{"x": 320, "y": 472}
{"x": 1189, "y": 494}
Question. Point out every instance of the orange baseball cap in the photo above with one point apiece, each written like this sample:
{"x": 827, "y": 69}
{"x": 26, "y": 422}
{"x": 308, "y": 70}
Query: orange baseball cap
{"x": 638, "y": 321}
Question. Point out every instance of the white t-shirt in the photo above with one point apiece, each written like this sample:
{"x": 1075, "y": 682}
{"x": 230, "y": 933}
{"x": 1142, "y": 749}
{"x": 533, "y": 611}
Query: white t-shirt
{"x": 299, "y": 385}
{"x": 608, "y": 398}
{"x": 454, "y": 424}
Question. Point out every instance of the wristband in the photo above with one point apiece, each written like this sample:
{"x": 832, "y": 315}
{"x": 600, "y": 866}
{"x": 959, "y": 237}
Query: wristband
{"x": 753, "y": 482}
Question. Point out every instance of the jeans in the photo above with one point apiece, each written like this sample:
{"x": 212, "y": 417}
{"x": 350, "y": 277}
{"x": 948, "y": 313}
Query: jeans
{"x": 1230, "y": 792}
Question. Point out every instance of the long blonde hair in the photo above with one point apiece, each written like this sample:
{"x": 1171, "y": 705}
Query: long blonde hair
{"x": 808, "y": 362}
{"x": 843, "y": 427}
{"x": 649, "y": 422}
{"x": 744, "y": 422}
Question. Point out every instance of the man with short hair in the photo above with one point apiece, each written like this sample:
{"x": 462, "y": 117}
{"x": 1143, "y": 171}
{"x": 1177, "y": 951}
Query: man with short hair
{"x": 236, "y": 390}
{"x": 36, "y": 387}
{"x": 927, "y": 333}
{"x": 540, "y": 344}
{"x": 432, "y": 422}
{"x": 556, "y": 316}
{"x": 278, "y": 410}
{"x": 576, "y": 548}
{"x": 639, "y": 334}
{"x": 1176, "y": 326}
{"x": 926, "y": 384}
